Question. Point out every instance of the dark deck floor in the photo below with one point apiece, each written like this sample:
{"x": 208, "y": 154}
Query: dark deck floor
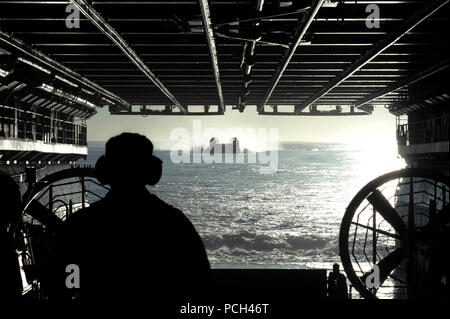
{"x": 268, "y": 284}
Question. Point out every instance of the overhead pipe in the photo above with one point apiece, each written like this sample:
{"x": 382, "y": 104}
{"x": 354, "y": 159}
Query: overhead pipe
{"x": 206, "y": 17}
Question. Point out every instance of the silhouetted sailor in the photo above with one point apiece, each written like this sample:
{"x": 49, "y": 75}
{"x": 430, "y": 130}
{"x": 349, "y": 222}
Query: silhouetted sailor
{"x": 10, "y": 203}
{"x": 337, "y": 284}
{"x": 131, "y": 244}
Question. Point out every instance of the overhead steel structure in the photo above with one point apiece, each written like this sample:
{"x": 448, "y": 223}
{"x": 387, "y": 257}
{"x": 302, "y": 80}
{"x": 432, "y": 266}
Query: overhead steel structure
{"x": 195, "y": 57}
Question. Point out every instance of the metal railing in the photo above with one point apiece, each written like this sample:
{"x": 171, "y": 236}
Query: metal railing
{"x": 428, "y": 131}
{"x": 34, "y": 126}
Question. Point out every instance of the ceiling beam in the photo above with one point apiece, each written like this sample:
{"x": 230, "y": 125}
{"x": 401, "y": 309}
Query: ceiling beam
{"x": 301, "y": 30}
{"x": 43, "y": 61}
{"x": 402, "y": 83}
{"x": 207, "y": 25}
{"x": 322, "y": 113}
{"x": 430, "y": 8}
{"x": 90, "y": 13}
{"x": 169, "y": 113}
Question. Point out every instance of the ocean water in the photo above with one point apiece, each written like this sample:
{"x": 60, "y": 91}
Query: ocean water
{"x": 287, "y": 219}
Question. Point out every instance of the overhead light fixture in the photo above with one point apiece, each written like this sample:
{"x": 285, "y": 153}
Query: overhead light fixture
{"x": 19, "y": 87}
{"x": 4, "y": 51}
{"x": 196, "y": 26}
{"x": 330, "y": 4}
{"x": 197, "y": 30}
{"x": 285, "y": 4}
{"x": 3, "y": 73}
{"x": 50, "y": 89}
{"x": 195, "y": 22}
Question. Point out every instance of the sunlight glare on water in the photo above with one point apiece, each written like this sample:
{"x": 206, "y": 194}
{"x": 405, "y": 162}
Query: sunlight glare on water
{"x": 290, "y": 217}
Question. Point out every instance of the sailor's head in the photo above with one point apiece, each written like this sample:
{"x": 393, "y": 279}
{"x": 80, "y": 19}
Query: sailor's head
{"x": 336, "y": 267}
{"x": 129, "y": 160}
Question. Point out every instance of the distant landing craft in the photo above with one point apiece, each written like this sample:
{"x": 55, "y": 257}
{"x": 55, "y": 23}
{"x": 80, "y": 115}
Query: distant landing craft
{"x": 224, "y": 148}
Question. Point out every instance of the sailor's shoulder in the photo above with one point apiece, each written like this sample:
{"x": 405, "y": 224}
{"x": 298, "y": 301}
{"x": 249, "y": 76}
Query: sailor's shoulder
{"x": 169, "y": 210}
{"x": 162, "y": 204}
{"x": 80, "y": 216}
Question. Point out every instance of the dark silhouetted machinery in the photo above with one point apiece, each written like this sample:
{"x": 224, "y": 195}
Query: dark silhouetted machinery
{"x": 400, "y": 223}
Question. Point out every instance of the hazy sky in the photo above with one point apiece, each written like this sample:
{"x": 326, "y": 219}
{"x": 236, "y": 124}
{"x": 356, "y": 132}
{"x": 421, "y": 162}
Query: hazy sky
{"x": 378, "y": 127}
